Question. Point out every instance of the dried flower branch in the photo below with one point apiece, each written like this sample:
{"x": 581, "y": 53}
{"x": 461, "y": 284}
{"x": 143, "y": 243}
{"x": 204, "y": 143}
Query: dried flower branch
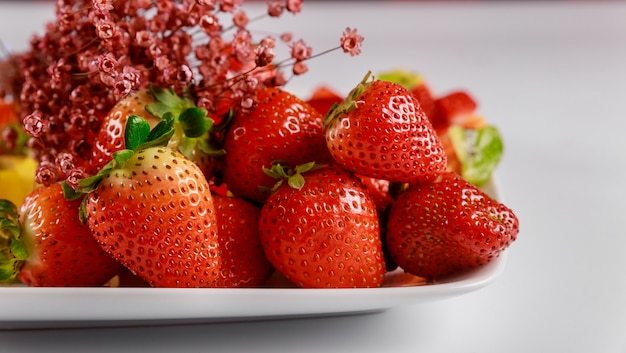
{"x": 97, "y": 52}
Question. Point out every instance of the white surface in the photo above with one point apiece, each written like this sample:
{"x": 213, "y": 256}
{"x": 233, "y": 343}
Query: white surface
{"x": 551, "y": 76}
{"x": 101, "y": 307}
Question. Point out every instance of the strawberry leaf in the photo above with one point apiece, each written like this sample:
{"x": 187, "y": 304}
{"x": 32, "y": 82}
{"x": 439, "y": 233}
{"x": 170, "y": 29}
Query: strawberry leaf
{"x": 12, "y": 249}
{"x": 167, "y": 101}
{"x": 187, "y": 145}
{"x": 194, "y": 122}
{"x": 18, "y": 249}
{"x": 162, "y": 132}
{"x": 9, "y": 268}
{"x": 8, "y": 209}
{"x": 136, "y": 132}
{"x": 296, "y": 181}
{"x": 69, "y": 193}
{"x": 205, "y": 146}
{"x": 121, "y": 157}
{"x": 293, "y": 176}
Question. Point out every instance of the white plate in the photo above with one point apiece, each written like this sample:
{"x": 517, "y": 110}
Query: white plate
{"x": 28, "y": 307}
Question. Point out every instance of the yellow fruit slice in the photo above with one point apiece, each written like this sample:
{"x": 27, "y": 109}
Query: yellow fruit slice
{"x": 17, "y": 178}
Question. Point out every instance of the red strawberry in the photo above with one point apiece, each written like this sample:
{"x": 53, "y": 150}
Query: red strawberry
{"x": 243, "y": 262}
{"x": 454, "y": 107}
{"x": 416, "y": 84}
{"x": 447, "y": 226}
{"x": 425, "y": 97}
{"x": 281, "y": 127}
{"x": 193, "y": 136}
{"x": 380, "y": 131}
{"x": 320, "y": 229}
{"x": 379, "y": 191}
{"x": 323, "y": 99}
{"x": 152, "y": 210}
{"x": 49, "y": 244}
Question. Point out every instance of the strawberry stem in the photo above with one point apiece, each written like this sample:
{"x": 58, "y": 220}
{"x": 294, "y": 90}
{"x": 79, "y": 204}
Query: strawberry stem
{"x": 293, "y": 176}
{"x": 197, "y": 128}
{"x": 350, "y": 102}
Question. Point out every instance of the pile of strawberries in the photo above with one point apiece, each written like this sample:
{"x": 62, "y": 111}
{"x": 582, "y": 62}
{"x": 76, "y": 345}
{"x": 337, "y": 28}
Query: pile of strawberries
{"x": 331, "y": 192}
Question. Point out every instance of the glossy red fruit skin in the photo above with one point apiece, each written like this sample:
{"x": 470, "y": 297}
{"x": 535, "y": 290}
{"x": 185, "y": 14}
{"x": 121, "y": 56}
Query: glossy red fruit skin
{"x": 243, "y": 261}
{"x": 379, "y": 191}
{"x": 454, "y": 106}
{"x": 426, "y": 99}
{"x": 281, "y": 128}
{"x": 323, "y": 98}
{"x": 157, "y": 218}
{"x": 326, "y": 235}
{"x": 387, "y": 136}
{"x": 447, "y": 226}
{"x": 62, "y": 251}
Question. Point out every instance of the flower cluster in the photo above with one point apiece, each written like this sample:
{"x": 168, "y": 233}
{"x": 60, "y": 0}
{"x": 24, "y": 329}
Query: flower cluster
{"x": 97, "y": 52}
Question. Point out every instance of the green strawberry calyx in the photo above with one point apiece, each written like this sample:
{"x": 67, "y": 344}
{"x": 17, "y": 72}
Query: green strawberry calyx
{"x": 293, "y": 176}
{"x": 350, "y": 102}
{"x": 194, "y": 129}
{"x": 13, "y": 251}
{"x": 137, "y": 136}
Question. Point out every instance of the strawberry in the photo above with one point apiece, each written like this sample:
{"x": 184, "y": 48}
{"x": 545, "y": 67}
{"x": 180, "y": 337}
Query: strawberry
{"x": 45, "y": 244}
{"x": 454, "y": 107}
{"x": 323, "y": 98}
{"x": 320, "y": 229}
{"x": 447, "y": 226}
{"x": 243, "y": 261}
{"x": 281, "y": 127}
{"x": 379, "y": 191}
{"x": 416, "y": 84}
{"x": 193, "y": 129}
{"x": 380, "y": 131}
{"x": 152, "y": 210}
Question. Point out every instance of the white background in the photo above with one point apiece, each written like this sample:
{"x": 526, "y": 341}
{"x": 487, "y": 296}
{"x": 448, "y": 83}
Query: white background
{"x": 551, "y": 76}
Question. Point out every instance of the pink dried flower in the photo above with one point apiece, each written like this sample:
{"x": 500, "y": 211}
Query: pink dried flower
{"x": 286, "y": 37}
{"x": 74, "y": 176}
{"x": 299, "y": 68}
{"x": 46, "y": 173}
{"x": 264, "y": 55}
{"x": 102, "y": 5}
{"x": 105, "y": 30}
{"x": 240, "y": 19}
{"x": 351, "y": 42}
{"x": 143, "y": 38}
{"x": 229, "y": 5}
{"x": 96, "y": 52}
{"x": 294, "y": 6}
{"x": 242, "y": 45}
{"x": 300, "y": 51}
{"x": 35, "y": 125}
{"x": 65, "y": 162}
{"x": 107, "y": 63}
{"x": 275, "y": 8}
{"x": 210, "y": 25}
